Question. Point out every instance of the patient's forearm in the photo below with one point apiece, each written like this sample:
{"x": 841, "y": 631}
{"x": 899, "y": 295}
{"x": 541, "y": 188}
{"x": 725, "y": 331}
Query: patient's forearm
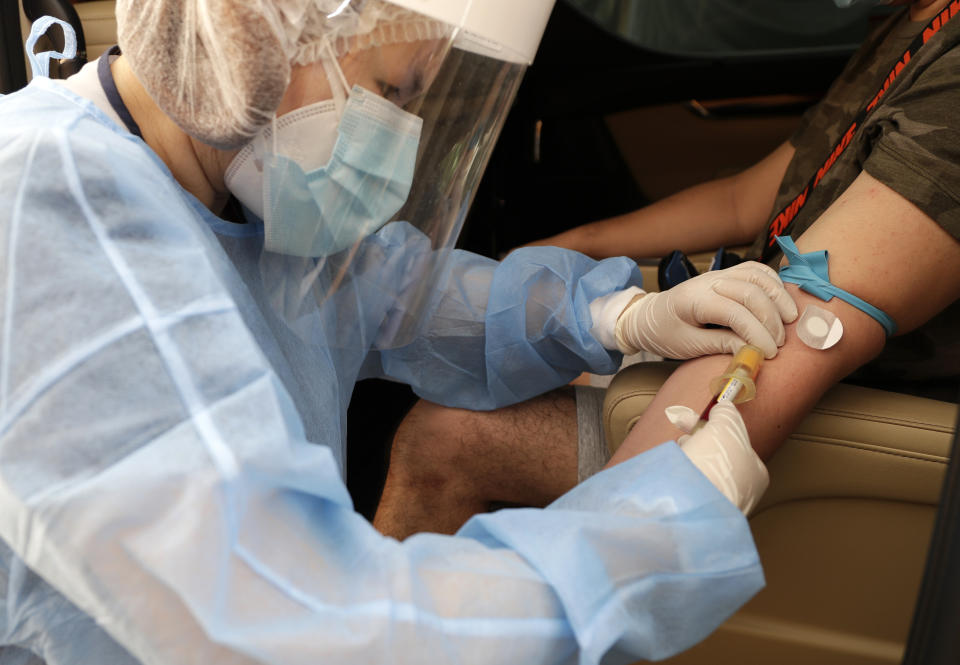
{"x": 727, "y": 211}
{"x": 787, "y": 388}
{"x": 697, "y": 219}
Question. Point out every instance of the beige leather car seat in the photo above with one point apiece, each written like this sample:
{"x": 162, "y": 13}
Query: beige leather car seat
{"x": 842, "y": 532}
{"x": 99, "y": 26}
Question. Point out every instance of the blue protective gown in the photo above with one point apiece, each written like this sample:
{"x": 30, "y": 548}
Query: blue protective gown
{"x": 171, "y": 454}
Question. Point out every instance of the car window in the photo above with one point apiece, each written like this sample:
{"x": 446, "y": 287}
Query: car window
{"x": 731, "y": 28}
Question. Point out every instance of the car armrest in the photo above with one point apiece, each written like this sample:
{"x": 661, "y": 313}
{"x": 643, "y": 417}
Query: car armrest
{"x": 857, "y": 442}
{"x": 842, "y": 532}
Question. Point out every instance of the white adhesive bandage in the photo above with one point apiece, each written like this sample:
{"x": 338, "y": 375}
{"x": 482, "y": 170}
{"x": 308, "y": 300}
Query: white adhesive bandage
{"x": 818, "y": 328}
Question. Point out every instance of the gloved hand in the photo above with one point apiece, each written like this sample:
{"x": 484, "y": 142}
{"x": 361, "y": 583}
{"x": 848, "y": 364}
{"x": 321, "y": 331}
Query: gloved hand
{"x": 749, "y": 299}
{"x": 721, "y": 450}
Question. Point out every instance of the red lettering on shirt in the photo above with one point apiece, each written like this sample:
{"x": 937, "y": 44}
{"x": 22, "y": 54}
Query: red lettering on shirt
{"x": 932, "y": 30}
{"x": 844, "y": 142}
{"x": 782, "y": 221}
{"x": 891, "y": 77}
{"x": 786, "y": 216}
{"x": 952, "y": 10}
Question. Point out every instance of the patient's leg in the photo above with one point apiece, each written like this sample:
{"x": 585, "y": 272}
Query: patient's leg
{"x": 449, "y": 464}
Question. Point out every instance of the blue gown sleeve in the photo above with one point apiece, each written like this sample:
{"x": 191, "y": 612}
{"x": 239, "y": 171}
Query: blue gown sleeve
{"x": 155, "y": 477}
{"x": 501, "y": 333}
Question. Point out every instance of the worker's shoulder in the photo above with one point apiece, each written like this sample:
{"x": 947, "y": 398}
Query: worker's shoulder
{"x": 41, "y": 106}
{"x": 46, "y": 114}
{"x": 68, "y": 172}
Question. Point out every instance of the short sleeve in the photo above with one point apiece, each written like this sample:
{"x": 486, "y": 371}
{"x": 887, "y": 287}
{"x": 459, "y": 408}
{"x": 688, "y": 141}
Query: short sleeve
{"x": 918, "y": 151}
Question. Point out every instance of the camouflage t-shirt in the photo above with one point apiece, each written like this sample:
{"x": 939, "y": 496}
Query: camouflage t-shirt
{"x": 911, "y": 143}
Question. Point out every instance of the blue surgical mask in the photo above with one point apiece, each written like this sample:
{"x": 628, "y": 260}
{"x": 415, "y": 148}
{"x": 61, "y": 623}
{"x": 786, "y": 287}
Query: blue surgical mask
{"x": 318, "y": 211}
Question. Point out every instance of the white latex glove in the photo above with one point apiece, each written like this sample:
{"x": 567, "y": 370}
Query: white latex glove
{"x": 721, "y": 450}
{"x": 748, "y": 299}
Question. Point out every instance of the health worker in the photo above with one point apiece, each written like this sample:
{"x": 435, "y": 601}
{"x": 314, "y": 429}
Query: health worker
{"x": 174, "y": 385}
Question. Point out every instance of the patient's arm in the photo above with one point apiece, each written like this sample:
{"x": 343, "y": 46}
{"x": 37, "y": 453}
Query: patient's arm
{"x": 882, "y": 249}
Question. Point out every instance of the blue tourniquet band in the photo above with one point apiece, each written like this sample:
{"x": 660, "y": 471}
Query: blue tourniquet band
{"x": 812, "y": 274}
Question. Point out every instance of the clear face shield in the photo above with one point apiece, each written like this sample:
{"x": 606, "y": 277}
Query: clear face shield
{"x": 364, "y": 177}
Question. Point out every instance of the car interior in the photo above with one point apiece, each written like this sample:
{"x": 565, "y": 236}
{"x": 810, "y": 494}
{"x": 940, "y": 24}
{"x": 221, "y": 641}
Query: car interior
{"x": 609, "y": 117}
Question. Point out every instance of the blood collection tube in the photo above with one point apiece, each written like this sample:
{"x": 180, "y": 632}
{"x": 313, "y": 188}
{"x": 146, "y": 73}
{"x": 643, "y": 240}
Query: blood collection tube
{"x": 737, "y": 383}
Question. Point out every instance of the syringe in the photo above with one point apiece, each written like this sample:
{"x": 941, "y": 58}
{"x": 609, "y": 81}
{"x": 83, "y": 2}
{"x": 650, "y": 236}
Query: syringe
{"x": 737, "y": 383}
{"x": 727, "y": 460}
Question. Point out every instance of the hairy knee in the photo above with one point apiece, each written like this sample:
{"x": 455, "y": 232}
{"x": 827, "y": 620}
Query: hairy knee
{"x": 531, "y": 445}
{"x": 432, "y": 441}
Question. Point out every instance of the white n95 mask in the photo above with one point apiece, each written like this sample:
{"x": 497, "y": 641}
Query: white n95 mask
{"x": 306, "y": 135}
{"x": 323, "y": 184}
